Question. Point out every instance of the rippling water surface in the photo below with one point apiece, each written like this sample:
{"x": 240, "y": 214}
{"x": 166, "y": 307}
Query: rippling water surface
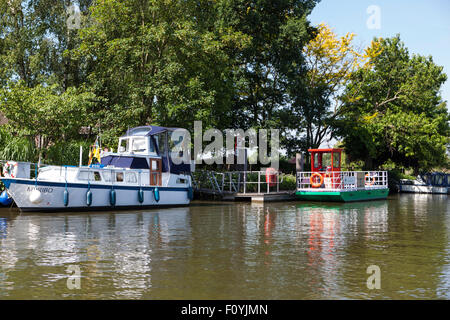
{"x": 220, "y": 250}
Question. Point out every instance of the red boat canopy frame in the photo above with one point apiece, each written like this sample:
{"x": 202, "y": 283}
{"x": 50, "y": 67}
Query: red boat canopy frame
{"x": 318, "y": 162}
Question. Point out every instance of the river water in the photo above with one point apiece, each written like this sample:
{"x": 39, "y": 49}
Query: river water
{"x": 226, "y": 250}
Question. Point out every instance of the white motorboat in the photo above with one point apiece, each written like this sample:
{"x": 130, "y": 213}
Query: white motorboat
{"x": 141, "y": 174}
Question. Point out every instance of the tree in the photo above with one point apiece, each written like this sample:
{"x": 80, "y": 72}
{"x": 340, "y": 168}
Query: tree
{"x": 394, "y": 111}
{"x": 158, "y": 62}
{"x": 34, "y": 39}
{"x": 330, "y": 63}
{"x": 44, "y": 114}
{"x": 278, "y": 31}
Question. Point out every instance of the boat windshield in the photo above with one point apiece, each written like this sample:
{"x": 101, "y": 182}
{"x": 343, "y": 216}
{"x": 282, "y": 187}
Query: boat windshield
{"x": 336, "y": 160}
{"x": 124, "y": 145}
{"x": 326, "y": 160}
{"x": 139, "y": 145}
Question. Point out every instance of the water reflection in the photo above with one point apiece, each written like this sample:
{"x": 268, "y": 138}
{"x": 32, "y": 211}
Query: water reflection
{"x": 232, "y": 251}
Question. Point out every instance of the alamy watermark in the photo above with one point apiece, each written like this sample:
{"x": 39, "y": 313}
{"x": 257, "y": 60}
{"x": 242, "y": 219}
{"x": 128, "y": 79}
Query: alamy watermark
{"x": 374, "y": 280}
{"x": 231, "y": 150}
{"x": 374, "y": 20}
{"x": 74, "y": 17}
{"x": 74, "y": 278}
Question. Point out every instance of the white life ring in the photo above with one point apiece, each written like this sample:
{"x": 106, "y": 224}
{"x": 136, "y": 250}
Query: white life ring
{"x": 10, "y": 169}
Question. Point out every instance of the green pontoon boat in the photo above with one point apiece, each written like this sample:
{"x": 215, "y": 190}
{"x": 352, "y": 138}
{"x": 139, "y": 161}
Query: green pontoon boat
{"x": 326, "y": 181}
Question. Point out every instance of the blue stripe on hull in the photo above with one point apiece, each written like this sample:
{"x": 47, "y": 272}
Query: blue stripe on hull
{"x": 7, "y": 183}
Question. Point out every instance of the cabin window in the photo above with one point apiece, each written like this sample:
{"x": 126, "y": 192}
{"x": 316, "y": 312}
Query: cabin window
{"x": 316, "y": 160}
{"x": 89, "y": 175}
{"x": 130, "y": 177}
{"x": 326, "y": 160}
{"x": 173, "y": 143}
{"x": 176, "y": 145}
{"x": 152, "y": 146}
{"x": 161, "y": 140}
{"x": 181, "y": 181}
{"x": 119, "y": 176}
{"x": 107, "y": 176}
{"x": 124, "y": 145}
{"x": 154, "y": 165}
{"x": 139, "y": 145}
{"x": 336, "y": 160}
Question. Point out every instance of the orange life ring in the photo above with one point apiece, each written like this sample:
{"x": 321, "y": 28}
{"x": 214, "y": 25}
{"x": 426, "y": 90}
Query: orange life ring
{"x": 369, "y": 183}
{"x": 315, "y": 184}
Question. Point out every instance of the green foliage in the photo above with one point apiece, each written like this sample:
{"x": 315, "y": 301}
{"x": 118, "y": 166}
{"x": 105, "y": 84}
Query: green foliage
{"x": 33, "y": 41}
{"x": 289, "y": 182}
{"x": 67, "y": 153}
{"x": 230, "y": 63}
{"x": 158, "y": 62}
{"x": 136, "y": 62}
{"x": 330, "y": 62}
{"x": 17, "y": 148}
{"x": 398, "y": 114}
{"x": 273, "y": 59}
{"x": 45, "y": 112}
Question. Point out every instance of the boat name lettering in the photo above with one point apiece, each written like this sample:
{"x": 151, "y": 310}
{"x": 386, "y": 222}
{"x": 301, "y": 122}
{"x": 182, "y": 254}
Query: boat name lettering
{"x": 42, "y": 189}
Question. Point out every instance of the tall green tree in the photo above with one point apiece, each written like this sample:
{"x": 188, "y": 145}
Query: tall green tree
{"x": 159, "y": 62}
{"x": 330, "y": 62}
{"x": 394, "y": 111}
{"x": 263, "y": 70}
{"x": 34, "y": 42}
{"x": 43, "y": 113}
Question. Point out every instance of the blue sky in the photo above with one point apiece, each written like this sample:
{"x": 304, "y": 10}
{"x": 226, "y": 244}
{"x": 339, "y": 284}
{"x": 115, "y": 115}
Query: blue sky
{"x": 424, "y": 26}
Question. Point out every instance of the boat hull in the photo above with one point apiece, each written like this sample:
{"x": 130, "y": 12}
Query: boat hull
{"x": 126, "y": 197}
{"x": 343, "y": 196}
{"x": 412, "y": 188}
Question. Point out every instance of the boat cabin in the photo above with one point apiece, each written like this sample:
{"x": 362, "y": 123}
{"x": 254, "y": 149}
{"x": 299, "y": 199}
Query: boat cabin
{"x": 323, "y": 160}
{"x": 149, "y": 147}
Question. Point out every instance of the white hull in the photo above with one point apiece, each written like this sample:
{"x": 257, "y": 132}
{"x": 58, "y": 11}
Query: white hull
{"x": 423, "y": 189}
{"x": 52, "y": 195}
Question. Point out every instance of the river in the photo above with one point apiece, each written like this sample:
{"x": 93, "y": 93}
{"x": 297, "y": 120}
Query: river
{"x": 228, "y": 250}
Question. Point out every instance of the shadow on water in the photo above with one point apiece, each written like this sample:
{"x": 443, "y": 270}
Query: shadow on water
{"x": 217, "y": 250}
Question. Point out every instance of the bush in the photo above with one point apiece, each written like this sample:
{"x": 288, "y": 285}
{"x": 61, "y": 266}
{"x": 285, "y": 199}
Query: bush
{"x": 16, "y": 148}
{"x": 289, "y": 182}
{"x": 67, "y": 153}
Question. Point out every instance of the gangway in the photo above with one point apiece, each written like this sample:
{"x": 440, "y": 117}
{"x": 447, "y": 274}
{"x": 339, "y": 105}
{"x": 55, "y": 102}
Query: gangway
{"x": 261, "y": 185}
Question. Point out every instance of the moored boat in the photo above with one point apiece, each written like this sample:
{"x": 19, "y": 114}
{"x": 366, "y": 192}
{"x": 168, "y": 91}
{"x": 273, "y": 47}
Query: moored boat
{"x": 141, "y": 174}
{"x": 326, "y": 181}
{"x": 434, "y": 182}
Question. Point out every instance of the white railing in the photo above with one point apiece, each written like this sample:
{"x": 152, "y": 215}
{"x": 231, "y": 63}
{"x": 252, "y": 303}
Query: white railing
{"x": 342, "y": 180}
{"x": 260, "y": 182}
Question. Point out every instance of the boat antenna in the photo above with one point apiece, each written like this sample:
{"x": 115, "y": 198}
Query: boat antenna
{"x": 100, "y": 135}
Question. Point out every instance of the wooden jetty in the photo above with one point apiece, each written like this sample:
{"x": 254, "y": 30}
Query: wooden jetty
{"x": 255, "y": 186}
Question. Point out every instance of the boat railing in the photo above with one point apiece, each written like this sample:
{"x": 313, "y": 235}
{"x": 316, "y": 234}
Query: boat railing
{"x": 246, "y": 182}
{"x": 341, "y": 180}
{"x": 29, "y": 170}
